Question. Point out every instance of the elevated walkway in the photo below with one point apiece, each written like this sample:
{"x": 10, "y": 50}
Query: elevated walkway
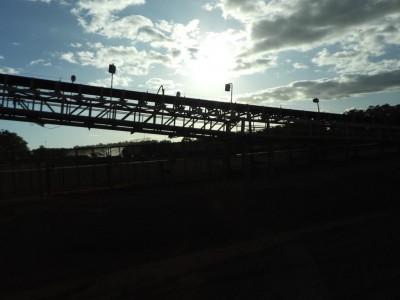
{"x": 61, "y": 103}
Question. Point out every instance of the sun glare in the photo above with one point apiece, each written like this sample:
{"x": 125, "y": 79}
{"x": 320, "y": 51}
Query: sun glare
{"x": 213, "y": 63}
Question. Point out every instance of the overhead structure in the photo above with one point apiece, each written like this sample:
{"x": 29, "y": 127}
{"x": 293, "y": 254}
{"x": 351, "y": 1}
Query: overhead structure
{"x": 68, "y": 103}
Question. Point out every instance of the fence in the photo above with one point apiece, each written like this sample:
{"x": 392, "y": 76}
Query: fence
{"x": 49, "y": 177}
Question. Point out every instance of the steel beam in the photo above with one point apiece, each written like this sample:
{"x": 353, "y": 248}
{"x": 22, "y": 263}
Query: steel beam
{"x": 60, "y": 103}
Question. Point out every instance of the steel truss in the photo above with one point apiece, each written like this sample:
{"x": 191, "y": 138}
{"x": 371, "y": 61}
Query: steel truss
{"x": 61, "y": 103}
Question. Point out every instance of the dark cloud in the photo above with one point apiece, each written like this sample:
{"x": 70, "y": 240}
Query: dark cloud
{"x": 176, "y": 53}
{"x": 390, "y": 29}
{"x": 316, "y": 21}
{"x": 193, "y": 52}
{"x": 343, "y": 87}
{"x": 252, "y": 66}
{"x": 278, "y": 34}
{"x": 156, "y": 57}
{"x": 153, "y": 35}
{"x": 244, "y": 6}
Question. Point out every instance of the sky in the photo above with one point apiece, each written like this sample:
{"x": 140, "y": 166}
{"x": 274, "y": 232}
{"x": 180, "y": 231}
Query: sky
{"x": 277, "y": 53}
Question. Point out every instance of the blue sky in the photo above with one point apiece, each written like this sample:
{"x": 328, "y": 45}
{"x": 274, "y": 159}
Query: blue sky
{"x": 279, "y": 53}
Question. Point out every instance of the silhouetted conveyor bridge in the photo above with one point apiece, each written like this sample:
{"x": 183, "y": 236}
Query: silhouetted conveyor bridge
{"x": 70, "y": 104}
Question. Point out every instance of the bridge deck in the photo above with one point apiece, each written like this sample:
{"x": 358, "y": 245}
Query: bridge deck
{"x": 61, "y": 103}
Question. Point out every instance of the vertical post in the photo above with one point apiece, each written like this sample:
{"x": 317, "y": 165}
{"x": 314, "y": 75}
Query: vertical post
{"x": 229, "y": 87}
{"x": 243, "y": 126}
{"x": 112, "y": 79}
{"x": 40, "y": 179}
{"x": 48, "y": 183}
{"x": 249, "y": 119}
{"x": 77, "y": 169}
{"x": 112, "y": 69}
{"x": 316, "y": 100}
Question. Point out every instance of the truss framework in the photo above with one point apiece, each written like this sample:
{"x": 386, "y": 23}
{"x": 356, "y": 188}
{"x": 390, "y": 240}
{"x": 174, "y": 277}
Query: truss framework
{"x": 61, "y": 103}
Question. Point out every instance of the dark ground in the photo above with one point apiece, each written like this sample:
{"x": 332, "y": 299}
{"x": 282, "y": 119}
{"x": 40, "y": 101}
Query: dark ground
{"x": 322, "y": 233}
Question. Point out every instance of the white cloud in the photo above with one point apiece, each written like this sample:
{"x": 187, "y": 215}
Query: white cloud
{"x": 102, "y": 17}
{"x": 40, "y": 62}
{"x": 1, "y": 57}
{"x": 354, "y": 61}
{"x": 118, "y": 82}
{"x": 175, "y": 45}
{"x": 169, "y": 86}
{"x": 69, "y": 57}
{"x": 302, "y": 25}
{"x": 352, "y": 39}
{"x": 299, "y": 66}
{"x": 178, "y": 36}
{"x": 128, "y": 59}
{"x": 209, "y": 6}
{"x": 8, "y": 70}
{"x": 166, "y": 43}
{"x": 243, "y": 10}
{"x": 99, "y": 16}
{"x": 76, "y": 45}
{"x": 356, "y": 36}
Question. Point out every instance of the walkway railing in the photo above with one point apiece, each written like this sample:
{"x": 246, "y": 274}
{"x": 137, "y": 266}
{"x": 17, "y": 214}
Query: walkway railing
{"x": 61, "y": 103}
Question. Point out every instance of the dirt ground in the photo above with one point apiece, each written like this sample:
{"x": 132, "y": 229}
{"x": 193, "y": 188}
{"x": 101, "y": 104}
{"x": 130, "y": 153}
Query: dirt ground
{"x": 328, "y": 232}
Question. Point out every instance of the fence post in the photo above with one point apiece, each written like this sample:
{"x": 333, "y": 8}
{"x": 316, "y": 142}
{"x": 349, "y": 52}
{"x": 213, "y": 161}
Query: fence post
{"x": 40, "y": 179}
{"x": 109, "y": 174}
{"x": 48, "y": 184}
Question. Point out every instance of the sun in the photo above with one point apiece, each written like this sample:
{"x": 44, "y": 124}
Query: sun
{"x": 214, "y": 62}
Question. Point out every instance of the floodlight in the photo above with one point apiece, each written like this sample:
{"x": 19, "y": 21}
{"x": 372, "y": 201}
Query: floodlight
{"x": 112, "y": 69}
{"x": 229, "y": 88}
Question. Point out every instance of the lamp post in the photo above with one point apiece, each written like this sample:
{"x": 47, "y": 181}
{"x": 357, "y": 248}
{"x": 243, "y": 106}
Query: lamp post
{"x": 229, "y": 87}
{"x": 112, "y": 69}
{"x": 316, "y": 100}
{"x": 73, "y": 79}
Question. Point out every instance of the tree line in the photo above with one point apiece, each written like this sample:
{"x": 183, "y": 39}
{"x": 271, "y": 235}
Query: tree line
{"x": 385, "y": 114}
{"x": 13, "y": 147}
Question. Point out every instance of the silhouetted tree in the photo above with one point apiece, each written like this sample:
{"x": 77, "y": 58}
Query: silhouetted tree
{"x": 381, "y": 114}
{"x": 12, "y": 146}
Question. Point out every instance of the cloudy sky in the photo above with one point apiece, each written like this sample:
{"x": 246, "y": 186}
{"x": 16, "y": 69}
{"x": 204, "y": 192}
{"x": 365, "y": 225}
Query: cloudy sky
{"x": 279, "y": 53}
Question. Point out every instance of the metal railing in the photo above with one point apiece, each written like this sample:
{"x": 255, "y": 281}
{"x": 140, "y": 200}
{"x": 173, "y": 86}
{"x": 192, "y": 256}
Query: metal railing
{"x": 60, "y": 103}
{"x": 47, "y": 177}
